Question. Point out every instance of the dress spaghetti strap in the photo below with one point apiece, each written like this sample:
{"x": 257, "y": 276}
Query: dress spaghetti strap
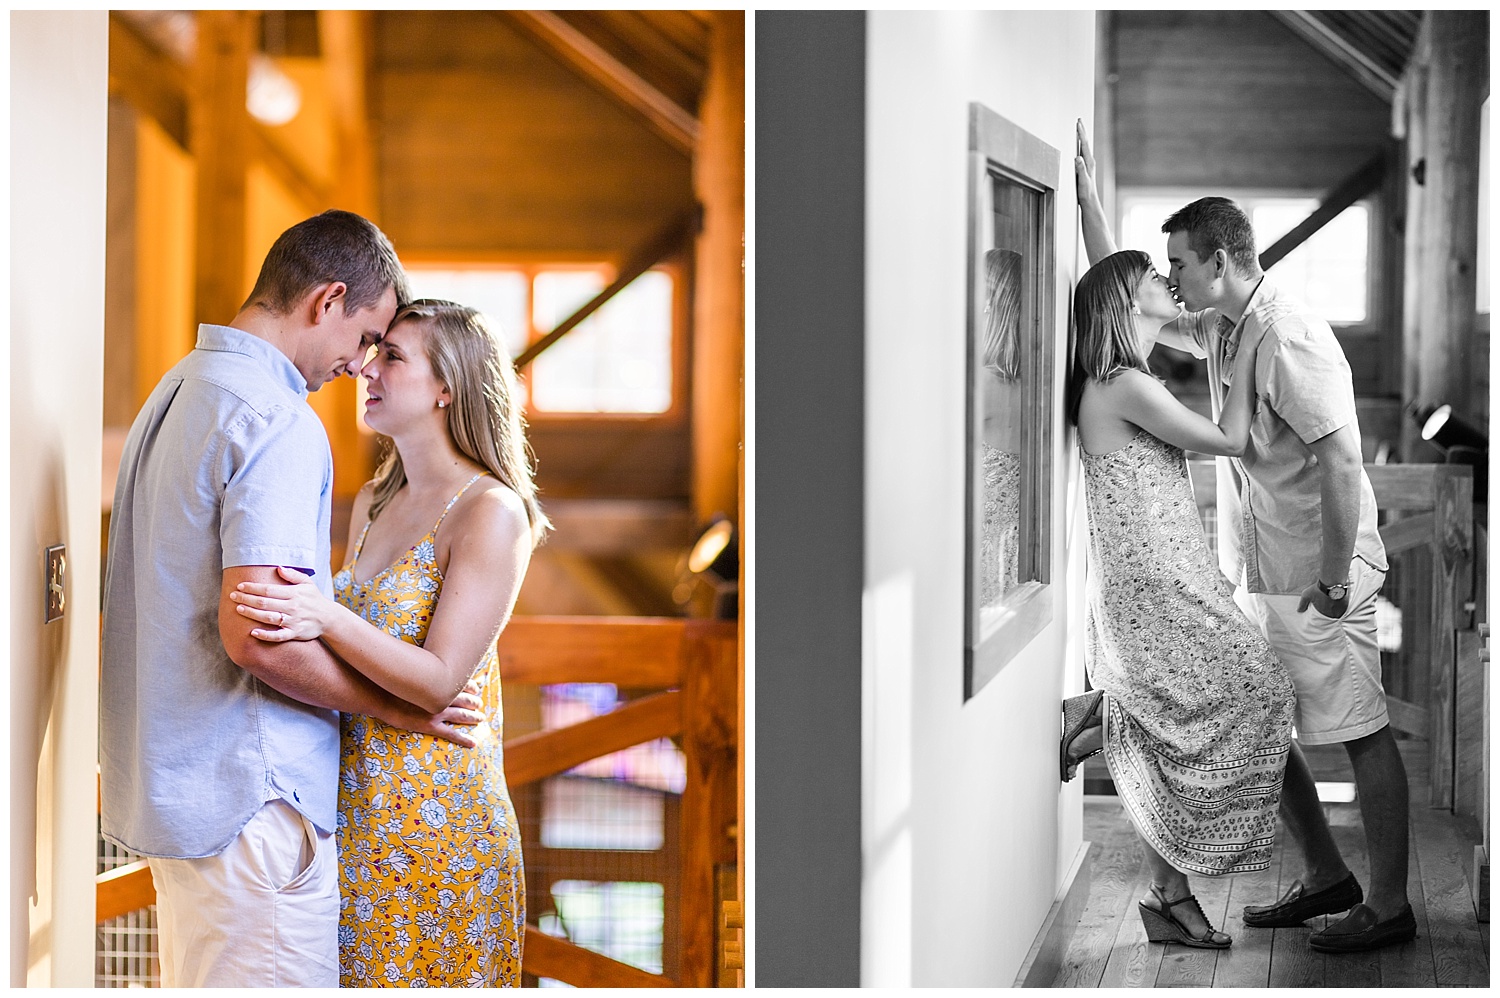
{"x": 433, "y": 532}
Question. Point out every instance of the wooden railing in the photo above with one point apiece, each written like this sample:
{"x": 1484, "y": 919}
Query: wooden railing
{"x": 693, "y": 664}
{"x": 1435, "y": 683}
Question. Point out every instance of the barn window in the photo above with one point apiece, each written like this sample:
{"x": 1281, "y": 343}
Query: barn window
{"x": 1330, "y": 272}
{"x": 620, "y": 361}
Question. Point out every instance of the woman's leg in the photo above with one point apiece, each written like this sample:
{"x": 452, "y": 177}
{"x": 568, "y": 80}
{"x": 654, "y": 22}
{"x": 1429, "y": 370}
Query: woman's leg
{"x": 1174, "y": 886}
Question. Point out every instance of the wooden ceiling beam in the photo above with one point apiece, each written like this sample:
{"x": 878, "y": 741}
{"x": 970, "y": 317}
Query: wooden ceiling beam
{"x": 580, "y": 53}
{"x": 1359, "y": 183}
{"x": 1340, "y": 52}
{"x": 155, "y": 84}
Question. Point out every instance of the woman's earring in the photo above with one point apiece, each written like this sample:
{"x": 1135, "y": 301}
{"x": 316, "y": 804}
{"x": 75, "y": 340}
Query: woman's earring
{"x": 442, "y": 404}
{"x": 1135, "y": 309}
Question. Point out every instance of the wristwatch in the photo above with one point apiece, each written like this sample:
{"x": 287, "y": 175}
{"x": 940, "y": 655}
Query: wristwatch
{"x": 1335, "y": 592}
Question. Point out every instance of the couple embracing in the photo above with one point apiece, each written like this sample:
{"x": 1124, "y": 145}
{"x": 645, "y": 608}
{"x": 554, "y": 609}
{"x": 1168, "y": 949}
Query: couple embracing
{"x": 311, "y": 762}
{"x": 1199, "y": 678}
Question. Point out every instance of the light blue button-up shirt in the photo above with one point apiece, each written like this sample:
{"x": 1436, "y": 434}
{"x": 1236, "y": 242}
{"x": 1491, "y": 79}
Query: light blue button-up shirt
{"x": 1270, "y": 500}
{"x": 226, "y": 465}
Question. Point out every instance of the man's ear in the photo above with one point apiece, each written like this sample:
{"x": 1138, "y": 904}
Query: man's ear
{"x": 1221, "y": 263}
{"x": 323, "y": 299}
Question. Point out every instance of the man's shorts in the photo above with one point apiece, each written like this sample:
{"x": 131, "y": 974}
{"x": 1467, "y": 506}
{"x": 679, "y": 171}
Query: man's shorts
{"x": 263, "y": 913}
{"x": 1334, "y": 664}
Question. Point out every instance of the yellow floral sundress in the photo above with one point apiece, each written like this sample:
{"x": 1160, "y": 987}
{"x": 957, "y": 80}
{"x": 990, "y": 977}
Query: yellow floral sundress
{"x": 431, "y": 891}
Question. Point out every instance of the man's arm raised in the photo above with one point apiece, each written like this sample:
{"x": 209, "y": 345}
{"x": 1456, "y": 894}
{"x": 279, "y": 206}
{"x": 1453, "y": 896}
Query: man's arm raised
{"x": 308, "y": 672}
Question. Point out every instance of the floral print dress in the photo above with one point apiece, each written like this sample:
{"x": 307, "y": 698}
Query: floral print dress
{"x": 430, "y": 881}
{"x": 1199, "y": 709}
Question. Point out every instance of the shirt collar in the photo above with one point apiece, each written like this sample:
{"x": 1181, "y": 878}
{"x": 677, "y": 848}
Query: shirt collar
{"x": 227, "y": 339}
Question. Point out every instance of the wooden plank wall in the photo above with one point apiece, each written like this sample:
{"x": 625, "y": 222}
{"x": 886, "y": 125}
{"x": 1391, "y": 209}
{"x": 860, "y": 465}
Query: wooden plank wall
{"x": 485, "y": 147}
{"x": 1234, "y": 99}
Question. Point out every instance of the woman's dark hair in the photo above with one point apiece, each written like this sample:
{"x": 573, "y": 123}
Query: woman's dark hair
{"x": 1104, "y": 335}
{"x": 334, "y": 246}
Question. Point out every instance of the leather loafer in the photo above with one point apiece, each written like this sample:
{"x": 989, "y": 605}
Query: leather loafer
{"x": 1297, "y": 905}
{"x": 1359, "y": 931}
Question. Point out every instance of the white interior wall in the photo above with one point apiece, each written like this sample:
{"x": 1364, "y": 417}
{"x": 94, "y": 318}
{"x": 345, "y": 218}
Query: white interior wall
{"x": 59, "y": 89}
{"x": 967, "y": 836}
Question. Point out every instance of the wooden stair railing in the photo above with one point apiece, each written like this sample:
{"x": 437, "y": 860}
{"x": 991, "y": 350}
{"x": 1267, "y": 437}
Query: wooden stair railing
{"x": 1445, "y": 702}
{"x": 694, "y": 663}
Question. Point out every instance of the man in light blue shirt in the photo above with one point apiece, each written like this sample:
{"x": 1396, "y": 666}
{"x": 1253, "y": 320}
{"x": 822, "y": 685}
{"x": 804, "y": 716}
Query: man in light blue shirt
{"x": 218, "y": 752}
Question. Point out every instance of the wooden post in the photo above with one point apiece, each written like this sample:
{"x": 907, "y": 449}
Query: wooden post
{"x": 719, "y": 313}
{"x": 220, "y": 137}
{"x": 345, "y": 36}
{"x": 1453, "y": 588}
{"x": 709, "y": 738}
{"x": 1106, "y": 76}
{"x": 1457, "y": 84}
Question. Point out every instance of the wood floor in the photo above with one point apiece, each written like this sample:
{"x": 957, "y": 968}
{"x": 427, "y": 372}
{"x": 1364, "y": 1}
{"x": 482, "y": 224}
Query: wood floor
{"x": 1109, "y": 948}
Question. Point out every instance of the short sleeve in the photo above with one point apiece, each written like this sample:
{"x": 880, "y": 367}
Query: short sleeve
{"x": 1306, "y": 379}
{"x": 279, "y": 469}
{"x": 1197, "y": 328}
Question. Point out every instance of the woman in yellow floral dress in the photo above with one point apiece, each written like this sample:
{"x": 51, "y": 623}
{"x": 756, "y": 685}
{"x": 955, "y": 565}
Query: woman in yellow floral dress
{"x": 430, "y": 879}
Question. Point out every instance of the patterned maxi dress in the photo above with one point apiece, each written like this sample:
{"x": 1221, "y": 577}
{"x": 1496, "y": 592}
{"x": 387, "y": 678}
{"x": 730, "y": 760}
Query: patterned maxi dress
{"x": 430, "y": 880}
{"x": 1199, "y": 711}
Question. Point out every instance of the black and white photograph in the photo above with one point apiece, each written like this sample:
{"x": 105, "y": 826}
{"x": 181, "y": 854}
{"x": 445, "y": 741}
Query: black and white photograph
{"x": 1122, "y": 389}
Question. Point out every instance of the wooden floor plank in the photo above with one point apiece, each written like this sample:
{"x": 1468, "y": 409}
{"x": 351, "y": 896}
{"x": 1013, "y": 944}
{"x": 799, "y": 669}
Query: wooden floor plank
{"x": 1114, "y": 873}
{"x": 1410, "y": 965}
{"x": 1187, "y": 966}
{"x": 1134, "y": 961}
{"x": 1110, "y": 947}
{"x": 1459, "y": 960}
{"x": 1247, "y": 964}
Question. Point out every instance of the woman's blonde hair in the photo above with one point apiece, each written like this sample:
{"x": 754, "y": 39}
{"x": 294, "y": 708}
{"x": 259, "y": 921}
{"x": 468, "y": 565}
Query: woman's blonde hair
{"x": 1105, "y": 340}
{"x": 484, "y": 418}
{"x": 1002, "y": 271}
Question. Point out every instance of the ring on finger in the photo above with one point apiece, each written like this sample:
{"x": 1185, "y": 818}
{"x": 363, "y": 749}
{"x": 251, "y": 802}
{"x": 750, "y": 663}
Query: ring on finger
{"x": 282, "y": 615}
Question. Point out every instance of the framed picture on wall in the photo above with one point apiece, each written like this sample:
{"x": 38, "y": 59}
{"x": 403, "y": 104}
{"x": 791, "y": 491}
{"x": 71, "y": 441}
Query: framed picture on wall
{"x": 1011, "y": 298}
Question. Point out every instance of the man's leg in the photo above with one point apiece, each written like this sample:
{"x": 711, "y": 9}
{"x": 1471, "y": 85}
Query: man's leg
{"x": 1302, "y": 814}
{"x": 262, "y": 913}
{"x": 1384, "y": 806}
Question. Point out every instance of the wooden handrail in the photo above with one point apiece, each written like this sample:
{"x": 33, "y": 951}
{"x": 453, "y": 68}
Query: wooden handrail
{"x": 123, "y": 890}
{"x": 640, "y": 652}
{"x": 548, "y": 956}
{"x": 536, "y": 756}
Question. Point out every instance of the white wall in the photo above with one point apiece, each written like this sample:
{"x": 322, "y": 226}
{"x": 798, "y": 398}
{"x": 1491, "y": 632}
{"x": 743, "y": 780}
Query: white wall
{"x": 59, "y": 91}
{"x": 966, "y": 835}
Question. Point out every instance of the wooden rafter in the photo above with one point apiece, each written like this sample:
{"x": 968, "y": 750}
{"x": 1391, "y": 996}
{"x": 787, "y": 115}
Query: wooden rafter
{"x": 664, "y": 243}
{"x": 584, "y": 56}
{"x": 1343, "y": 54}
{"x": 1359, "y": 183}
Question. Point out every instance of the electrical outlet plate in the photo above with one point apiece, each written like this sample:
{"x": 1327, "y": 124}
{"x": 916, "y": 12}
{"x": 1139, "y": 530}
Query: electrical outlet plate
{"x": 56, "y": 581}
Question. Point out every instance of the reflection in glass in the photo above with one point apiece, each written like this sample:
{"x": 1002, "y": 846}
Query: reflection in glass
{"x": 1000, "y": 433}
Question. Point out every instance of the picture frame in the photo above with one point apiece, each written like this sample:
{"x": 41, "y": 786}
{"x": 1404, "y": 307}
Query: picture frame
{"x": 1012, "y": 292}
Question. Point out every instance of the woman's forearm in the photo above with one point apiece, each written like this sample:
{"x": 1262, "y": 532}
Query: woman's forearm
{"x": 409, "y": 671}
{"x": 1234, "y": 418}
